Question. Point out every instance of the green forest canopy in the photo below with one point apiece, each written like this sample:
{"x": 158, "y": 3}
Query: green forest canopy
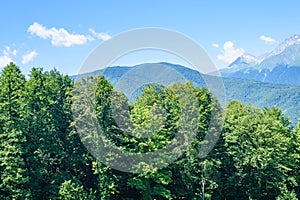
{"x": 257, "y": 155}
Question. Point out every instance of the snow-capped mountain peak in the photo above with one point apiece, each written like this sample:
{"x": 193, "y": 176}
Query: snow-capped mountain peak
{"x": 249, "y": 58}
{"x": 244, "y": 59}
{"x": 294, "y": 40}
{"x": 282, "y": 65}
{"x": 287, "y": 53}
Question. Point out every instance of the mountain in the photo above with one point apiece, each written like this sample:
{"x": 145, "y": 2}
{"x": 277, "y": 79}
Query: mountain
{"x": 131, "y": 80}
{"x": 242, "y": 62}
{"x": 281, "y": 66}
{"x": 245, "y": 59}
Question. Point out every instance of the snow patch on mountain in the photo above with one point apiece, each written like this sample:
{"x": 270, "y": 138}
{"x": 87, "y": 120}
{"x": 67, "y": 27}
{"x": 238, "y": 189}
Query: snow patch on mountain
{"x": 287, "y": 53}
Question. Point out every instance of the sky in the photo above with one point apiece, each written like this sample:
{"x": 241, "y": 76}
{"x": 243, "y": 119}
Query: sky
{"x": 61, "y": 34}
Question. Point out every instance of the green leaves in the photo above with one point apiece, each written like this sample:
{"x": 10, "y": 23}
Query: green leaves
{"x": 42, "y": 156}
{"x": 48, "y": 124}
{"x": 13, "y": 172}
{"x": 70, "y": 190}
{"x": 259, "y": 142}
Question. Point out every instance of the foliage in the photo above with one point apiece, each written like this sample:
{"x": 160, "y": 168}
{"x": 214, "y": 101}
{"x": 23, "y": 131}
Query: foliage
{"x": 13, "y": 177}
{"x": 42, "y": 156}
{"x": 70, "y": 190}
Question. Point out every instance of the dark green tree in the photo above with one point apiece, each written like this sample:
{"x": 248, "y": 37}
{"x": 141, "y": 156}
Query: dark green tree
{"x": 93, "y": 118}
{"x": 13, "y": 172}
{"x": 48, "y": 118}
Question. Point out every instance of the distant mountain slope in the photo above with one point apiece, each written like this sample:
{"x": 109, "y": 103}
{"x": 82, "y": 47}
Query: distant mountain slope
{"x": 279, "y": 75}
{"x": 280, "y": 66}
{"x": 286, "y": 97}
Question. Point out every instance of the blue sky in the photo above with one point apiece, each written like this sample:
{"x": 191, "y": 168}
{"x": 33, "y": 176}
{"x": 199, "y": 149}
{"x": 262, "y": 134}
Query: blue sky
{"x": 61, "y": 34}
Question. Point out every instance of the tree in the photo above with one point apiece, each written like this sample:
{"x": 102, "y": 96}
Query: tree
{"x": 48, "y": 118}
{"x": 258, "y": 143}
{"x": 13, "y": 176}
{"x": 152, "y": 129}
{"x": 92, "y": 109}
{"x": 197, "y": 177}
{"x": 295, "y": 160}
{"x": 70, "y": 190}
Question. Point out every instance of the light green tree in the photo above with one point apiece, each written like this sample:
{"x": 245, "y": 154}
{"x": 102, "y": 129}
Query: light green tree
{"x": 258, "y": 142}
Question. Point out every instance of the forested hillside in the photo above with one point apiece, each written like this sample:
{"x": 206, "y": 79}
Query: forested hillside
{"x": 42, "y": 156}
{"x": 285, "y": 97}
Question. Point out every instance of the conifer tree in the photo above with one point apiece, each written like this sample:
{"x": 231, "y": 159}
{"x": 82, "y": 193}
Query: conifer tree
{"x": 13, "y": 172}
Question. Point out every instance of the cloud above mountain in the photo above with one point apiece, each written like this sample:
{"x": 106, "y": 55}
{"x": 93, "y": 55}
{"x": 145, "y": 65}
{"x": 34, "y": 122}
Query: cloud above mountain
{"x": 230, "y": 53}
{"x": 267, "y": 40}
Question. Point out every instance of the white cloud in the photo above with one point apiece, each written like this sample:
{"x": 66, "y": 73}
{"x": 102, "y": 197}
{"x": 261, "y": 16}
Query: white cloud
{"x": 6, "y": 58}
{"x": 267, "y": 39}
{"x": 8, "y": 52}
{"x": 230, "y": 53}
{"x": 215, "y": 45}
{"x": 58, "y": 37}
{"x": 102, "y": 36}
{"x": 29, "y": 57}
